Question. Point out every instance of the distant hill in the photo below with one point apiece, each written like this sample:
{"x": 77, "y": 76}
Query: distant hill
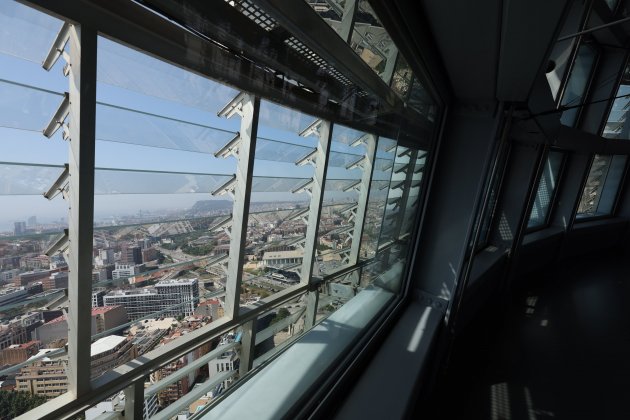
{"x": 211, "y": 205}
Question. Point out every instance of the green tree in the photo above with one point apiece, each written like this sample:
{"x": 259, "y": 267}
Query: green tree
{"x": 15, "y": 403}
{"x": 280, "y": 315}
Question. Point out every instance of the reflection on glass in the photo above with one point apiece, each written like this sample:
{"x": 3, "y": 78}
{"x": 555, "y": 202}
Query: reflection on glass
{"x": 372, "y": 42}
{"x": 26, "y": 33}
{"x": 278, "y": 328}
{"x": 577, "y": 83}
{"x": 128, "y": 69}
{"x": 341, "y": 200}
{"x": 279, "y": 206}
{"x": 26, "y": 107}
{"x": 617, "y": 124}
{"x": 612, "y": 4}
{"x": 378, "y": 198}
{"x": 546, "y": 190}
{"x": 33, "y": 285}
{"x": 331, "y": 11}
{"x": 401, "y": 80}
{"x": 421, "y": 101}
{"x": 602, "y": 185}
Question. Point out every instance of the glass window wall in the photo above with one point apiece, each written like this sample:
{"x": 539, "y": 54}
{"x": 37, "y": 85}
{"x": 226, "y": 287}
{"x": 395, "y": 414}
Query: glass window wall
{"x": 546, "y": 191}
{"x": 602, "y": 186}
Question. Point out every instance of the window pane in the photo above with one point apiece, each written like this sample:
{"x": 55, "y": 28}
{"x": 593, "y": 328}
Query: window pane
{"x": 33, "y": 285}
{"x": 612, "y": 4}
{"x": 602, "y": 186}
{"x": 276, "y": 230}
{"x": 341, "y": 194}
{"x": 378, "y": 197}
{"x": 618, "y": 125}
{"x": 546, "y": 189}
{"x": 577, "y": 83}
{"x": 156, "y": 258}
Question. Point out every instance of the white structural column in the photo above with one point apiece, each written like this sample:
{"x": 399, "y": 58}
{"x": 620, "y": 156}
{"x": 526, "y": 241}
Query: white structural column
{"x": 413, "y": 155}
{"x": 134, "y": 401}
{"x": 364, "y": 194}
{"x": 248, "y": 107}
{"x": 248, "y": 344}
{"x": 82, "y": 92}
{"x": 324, "y": 132}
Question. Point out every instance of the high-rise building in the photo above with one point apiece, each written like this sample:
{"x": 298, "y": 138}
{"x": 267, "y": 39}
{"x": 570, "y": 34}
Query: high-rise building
{"x": 46, "y": 376}
{"x": 19, "y": 228}
{"x": 175, "y": 297}
{"x": 131, "y": 254}
{"x": 18, "y": 353}
{"x": 109, "y": 352}
{"x": 123, "y": 271}
{"x": 106, "y": 256}
{"x": 57, "y": 280}
{"x": 32, "y": 221}
{"x": 97, "y": 296}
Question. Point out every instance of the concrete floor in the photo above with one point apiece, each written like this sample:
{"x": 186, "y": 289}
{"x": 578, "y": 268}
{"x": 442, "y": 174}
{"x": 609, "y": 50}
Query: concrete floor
{"x": 561, "y": 352}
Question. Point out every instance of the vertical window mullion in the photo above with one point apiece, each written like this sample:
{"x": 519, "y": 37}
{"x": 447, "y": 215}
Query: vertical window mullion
{"x": 371, "y": 142}
{"x": 82, "y": 93}
{"x": 324, "y": 133}
{"x": 248, "y": 107}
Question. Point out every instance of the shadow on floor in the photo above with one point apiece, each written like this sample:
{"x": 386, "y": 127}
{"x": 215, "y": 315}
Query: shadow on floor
{"x": 562, "y": 351}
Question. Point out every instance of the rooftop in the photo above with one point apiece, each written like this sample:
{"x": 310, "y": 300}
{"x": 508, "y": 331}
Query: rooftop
{"x": 23, "y": 345}
{"x": 174, "y": 282}
{"x": 103, "y": 309}
{"x": 298, "y": 253}
{"x": 106, "y": 344}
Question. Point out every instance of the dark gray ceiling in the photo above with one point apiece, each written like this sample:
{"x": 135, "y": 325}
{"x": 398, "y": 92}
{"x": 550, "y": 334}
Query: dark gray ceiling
{"x": 492, "y": 49}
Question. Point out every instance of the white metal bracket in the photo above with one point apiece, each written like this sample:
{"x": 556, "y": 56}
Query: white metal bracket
{"x": 230, "y": 148}
{"x": 235, "y": 106}
{"x": 312, "y": 129}
{"x": 61, "y": 185}
{"x": 60, "y": 116}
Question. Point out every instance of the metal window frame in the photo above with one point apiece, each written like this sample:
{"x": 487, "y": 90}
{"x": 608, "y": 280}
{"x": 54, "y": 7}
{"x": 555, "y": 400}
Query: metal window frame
{"x": 553, "y": 199}
{"x": 611, "y": 102}
{"x": 588, "y": 41}
{"x": 85, "y": 392}
{"x": 620, "y": 188}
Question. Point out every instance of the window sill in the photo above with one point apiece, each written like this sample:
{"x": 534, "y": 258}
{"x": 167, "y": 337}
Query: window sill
{"x": 589, "y": 222}
{"x": 387, "y": 391}
{"x": 542, "y": 234}
{"x": 274, "y": 391}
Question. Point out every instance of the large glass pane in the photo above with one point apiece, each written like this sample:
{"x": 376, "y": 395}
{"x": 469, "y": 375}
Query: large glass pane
{"x": 618, "y": 124}
{"x": 341, "y": 198}
{"x": 546, "y": 190}
{"x": 278, "y": 207}
{"x": 602, "y": 186}
{"x": 378, "y": 197}
{"x": 612, "y": 4}
{"x": 26, "y": 33}
{"x": 33, "y": 285}
{"x": 577, "y": 83}
{"x": 158, "y": 253}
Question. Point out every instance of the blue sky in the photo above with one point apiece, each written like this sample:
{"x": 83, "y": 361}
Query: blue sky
{"x": 133, "y": 80}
